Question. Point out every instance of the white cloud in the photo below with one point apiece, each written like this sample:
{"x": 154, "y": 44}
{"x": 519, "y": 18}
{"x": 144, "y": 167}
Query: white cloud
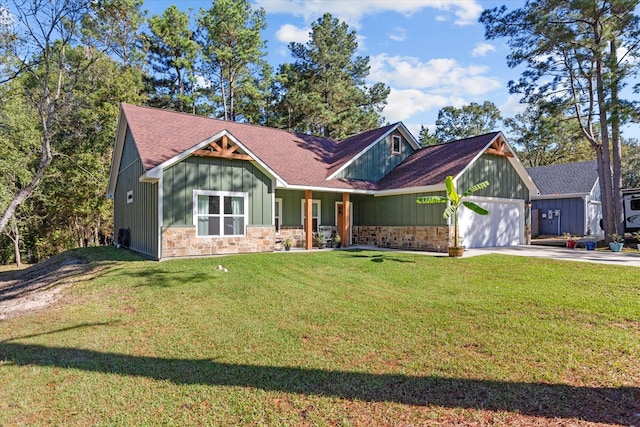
{"x": 512, "y": 106}
{"x": 202, "y": 82}
{"x": 290, "y": 33}
{"x": 482, "y": 49}
{"x": 465, "y": 11}
{"x": 404, "y": 103}
{"x": 443, "y": 76}
{"x": 399, "y": 34}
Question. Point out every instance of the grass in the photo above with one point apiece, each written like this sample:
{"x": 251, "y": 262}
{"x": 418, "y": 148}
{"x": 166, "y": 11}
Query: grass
{"x": 330, "y": 338}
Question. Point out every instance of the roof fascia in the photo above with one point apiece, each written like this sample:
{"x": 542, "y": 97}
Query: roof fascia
{"x": 559, "y": 196}
{"x": 326, "y": 189}
{"x": 411, "y": 190}
{"x": 375, "y": 193}
{"x": 399, "y": 126}
{"x": 515, "y": 162}
{"x": 117, "y": 154}
{"x": 154, "y": 174}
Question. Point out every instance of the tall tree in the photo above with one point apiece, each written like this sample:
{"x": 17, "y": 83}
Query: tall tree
{"x": 44, "y": 32}
{"x": 545, "y": 137}
{"x": 466, "y": 121}
{"x": 172, "y": 52}
{"x": 569, "y": 49}
{"x": 233, "y": 52}
{"x": 114, "y": 25}
{"x": 72, "y": 193}
{"x": 19, "y": 137}
{"x": 325, "y": 90}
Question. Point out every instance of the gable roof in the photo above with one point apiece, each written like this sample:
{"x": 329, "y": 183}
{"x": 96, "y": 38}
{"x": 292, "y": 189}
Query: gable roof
{"x": 296, "y": 161}
{"x": 163, "y": 137}
{"x": 565, "y": 179}
{"x": 431, "y": 165}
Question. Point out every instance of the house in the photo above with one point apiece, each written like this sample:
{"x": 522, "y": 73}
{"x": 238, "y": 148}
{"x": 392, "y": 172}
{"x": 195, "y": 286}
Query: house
{"x": 569, "y": 199}
{"x": 186, "y": 185}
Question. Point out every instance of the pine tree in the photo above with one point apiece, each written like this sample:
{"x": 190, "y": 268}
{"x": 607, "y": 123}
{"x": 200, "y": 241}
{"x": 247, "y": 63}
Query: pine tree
{"x": 325, "y": 91}
{"x": 233, "y": 52}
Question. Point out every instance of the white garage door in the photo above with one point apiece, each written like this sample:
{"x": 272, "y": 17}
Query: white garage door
{"x": 504, "y": 226}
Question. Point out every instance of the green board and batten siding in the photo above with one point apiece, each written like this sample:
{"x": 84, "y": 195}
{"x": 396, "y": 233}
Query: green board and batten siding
{"x": 214, "y": 174}
{"x": 141, "y": 215}
{"x": 402, "y": 210}
{"x": 377, "y": 161}
{"x": 504, "y": 181}
{"x": 292, "y": 206}
{"x": 398, "y": 210}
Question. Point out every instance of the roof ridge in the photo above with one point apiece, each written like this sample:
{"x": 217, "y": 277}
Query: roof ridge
{"x": 183, "y": 113}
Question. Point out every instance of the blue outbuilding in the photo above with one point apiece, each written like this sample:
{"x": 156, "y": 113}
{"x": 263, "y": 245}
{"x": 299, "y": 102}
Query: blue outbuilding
{"x": 569, "y": 200}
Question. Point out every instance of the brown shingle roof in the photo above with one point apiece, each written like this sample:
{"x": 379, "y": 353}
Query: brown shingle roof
{"x": 301, "y": 160}
{"x": 431, "y": 165}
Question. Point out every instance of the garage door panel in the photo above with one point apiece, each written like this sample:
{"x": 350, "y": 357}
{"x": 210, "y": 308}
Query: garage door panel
{"x": 502, "y": 227}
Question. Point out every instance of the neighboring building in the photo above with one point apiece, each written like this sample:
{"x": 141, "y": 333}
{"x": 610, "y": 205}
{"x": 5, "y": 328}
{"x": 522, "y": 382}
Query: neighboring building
{"x": 569, "y": 199}
{"x": 186, "y": 185}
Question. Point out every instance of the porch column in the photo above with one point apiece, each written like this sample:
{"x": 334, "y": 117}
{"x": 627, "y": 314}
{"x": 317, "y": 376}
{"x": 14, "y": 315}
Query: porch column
{"x": 308, "y": 223}
{"x": 345, "y": 233}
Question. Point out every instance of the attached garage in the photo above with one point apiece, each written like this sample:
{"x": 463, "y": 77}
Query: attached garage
{"x": 504, "y": 226}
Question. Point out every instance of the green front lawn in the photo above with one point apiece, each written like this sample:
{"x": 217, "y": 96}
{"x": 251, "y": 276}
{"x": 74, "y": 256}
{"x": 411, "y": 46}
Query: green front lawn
{"x": 328, "y": 338}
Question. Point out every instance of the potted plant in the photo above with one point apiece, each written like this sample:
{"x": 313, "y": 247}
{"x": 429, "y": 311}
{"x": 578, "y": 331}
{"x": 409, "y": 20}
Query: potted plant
{"x": 454, "y": 201}
{"x": 617, "y": 242}
{"x": 319, "y": 239}
{"x": 338, "y": 240}
{"x": 590, "y": 243}
{"x": 571, "y": 241}
{"x": 288, "y": 242}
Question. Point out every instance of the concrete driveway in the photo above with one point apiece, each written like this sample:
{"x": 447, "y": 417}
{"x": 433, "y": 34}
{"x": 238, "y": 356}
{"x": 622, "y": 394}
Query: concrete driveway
{"x": 555, "y": 252}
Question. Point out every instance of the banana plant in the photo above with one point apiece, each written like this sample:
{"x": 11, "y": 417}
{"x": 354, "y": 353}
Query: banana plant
{"x": 455, "y": 200}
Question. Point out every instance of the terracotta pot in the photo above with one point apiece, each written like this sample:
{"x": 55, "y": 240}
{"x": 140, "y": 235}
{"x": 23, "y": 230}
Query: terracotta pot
{"x": 455, "y": 251}
{"x": 571, "y": 244}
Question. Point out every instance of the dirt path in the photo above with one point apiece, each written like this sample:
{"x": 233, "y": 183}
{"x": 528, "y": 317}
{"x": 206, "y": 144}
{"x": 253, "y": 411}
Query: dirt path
{"x": 27, "y": 290}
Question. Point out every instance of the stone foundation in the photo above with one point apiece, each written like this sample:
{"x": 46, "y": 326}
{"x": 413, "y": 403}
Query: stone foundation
{"x": 182, "y": 242}
{"x": 296, "y": 234}
{"x": 428, "y": 238}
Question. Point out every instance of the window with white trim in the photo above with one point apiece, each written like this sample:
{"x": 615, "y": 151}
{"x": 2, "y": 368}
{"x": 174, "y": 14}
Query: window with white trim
{"x": 396, "y": 144}
{"x": 220, "y": 213}
{"x": 315, "y": 214}
{"x": 277, "y": 214}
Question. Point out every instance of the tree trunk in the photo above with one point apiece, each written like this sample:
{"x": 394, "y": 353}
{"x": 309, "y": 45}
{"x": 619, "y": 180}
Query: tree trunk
{"x": 26, "y": 192}
{"x": 616, "y": 141}
{"x": 16, "y": 243}
{"x": 608, "y": 209}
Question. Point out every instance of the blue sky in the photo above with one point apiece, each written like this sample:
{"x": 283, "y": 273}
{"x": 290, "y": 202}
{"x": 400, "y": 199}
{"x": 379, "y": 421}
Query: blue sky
{"x": 431, "y": 53}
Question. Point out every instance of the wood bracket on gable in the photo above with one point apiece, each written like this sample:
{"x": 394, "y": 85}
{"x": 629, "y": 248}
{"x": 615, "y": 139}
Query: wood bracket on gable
{"x": 497, "y": 149}
{"x": 222, "y": 148}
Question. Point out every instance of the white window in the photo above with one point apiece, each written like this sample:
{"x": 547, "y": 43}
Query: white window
{"x": 277, "y": 214}
{"x": 220, "y": 213}
{"x": 315, "y": 214}
{"x": 396, "y": 144}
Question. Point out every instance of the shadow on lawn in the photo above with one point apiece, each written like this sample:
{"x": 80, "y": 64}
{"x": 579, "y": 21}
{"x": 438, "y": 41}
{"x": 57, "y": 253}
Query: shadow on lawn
{"x": 598, "y": 405}
{"x": 380, "y": 258}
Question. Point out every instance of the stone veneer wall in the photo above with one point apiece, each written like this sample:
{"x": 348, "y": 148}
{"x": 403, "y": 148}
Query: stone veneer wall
{"x": 295, "y": 233}
{"x": 182, "y": 242}
{"x": 430, "y": 238}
